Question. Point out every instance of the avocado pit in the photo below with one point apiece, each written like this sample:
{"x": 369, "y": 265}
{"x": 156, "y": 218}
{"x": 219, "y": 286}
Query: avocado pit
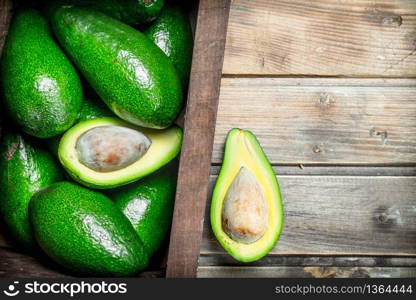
{"x": 111, "y": 148}
{"x": 245, "y": 212}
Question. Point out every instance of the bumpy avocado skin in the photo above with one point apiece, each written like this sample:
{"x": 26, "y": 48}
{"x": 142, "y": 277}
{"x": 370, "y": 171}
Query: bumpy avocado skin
{"x": 41, "y": 88}
{"x": 131, "y": 74}
{"x": 25, "y": 168}
{"x": 132, "y": 12}
{"x": 232, "y": 162}
{"x": 85, "y": 232}
{"x": 172, "y": 33}
{"x": 148, "y": 204}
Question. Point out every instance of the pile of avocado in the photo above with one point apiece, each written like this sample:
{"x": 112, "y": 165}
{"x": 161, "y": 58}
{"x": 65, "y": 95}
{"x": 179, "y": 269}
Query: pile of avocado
{"x": 90, "y": 92}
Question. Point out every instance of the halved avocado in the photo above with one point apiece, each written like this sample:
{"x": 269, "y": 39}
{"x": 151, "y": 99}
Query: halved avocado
{"x": 107, "y": 152}
{"x": 246, "y": 208}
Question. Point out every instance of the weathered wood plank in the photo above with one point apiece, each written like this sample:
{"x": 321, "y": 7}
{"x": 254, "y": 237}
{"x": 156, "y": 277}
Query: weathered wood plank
{"x": 322, "y": 37}
{"x": 322, "y": 121}
{"x": 342, "y": 215}
{"x": 322, "y": 261}
{"x": 305, "y": 272}
{"x": 338, "y": 170}
{"x": 196, "y": 152}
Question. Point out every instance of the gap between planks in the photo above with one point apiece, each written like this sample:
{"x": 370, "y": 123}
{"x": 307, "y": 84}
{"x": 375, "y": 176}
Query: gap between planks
{"x": 322, "y": 121}
{"x": 322, "y": 37}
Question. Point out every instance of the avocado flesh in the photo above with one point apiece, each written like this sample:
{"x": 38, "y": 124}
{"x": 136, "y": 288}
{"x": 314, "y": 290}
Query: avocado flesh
{"x": 41, "y": 89}
{"x": 84, "y": 231}
{"x": 132, "y": 12}
{"x": 245, "y": 164}
{"x": 165, "y": 145}
{"x": 111, "y": 148}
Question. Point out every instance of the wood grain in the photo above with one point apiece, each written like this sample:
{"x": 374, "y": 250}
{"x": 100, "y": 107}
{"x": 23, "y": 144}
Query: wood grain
{"x": 338, "y": 170}
{"x": 374, "y": 38}
{"x": 322, "y": 121}
{"x": 200, "y": 118}
{"x": 5, "y": 16}
{"x": 305, "y": 272}
{"x": 342, "y": 215}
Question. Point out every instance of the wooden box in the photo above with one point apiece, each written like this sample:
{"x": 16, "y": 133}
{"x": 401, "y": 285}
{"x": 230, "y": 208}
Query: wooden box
{"x": 329, "y": 89}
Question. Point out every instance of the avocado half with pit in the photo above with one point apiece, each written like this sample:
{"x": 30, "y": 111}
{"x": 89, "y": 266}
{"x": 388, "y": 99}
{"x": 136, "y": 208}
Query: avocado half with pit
{"x": 107, "y": 152}
{"x": 246, "y": 208}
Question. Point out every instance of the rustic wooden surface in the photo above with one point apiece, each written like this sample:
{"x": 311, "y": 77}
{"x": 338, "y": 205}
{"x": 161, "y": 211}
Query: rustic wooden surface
{"x": 5, "y": 15}
{"x": 322, "y": 121}
{"x": 342, "y": 215}
{"x": 192, "y": 189}
{"x": 323, "y": 37}
{"x": 328, "y": 87}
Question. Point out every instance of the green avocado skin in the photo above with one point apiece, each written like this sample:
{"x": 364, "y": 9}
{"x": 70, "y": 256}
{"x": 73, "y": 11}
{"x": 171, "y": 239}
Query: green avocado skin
{"x": 41, "y": 88}
{"x": 85, "y": 232}
{"x": 148, "y": 204}
{"x": 131, "y": 74}
{"x": 25, "y": 168}
{"x": 132, "y": 12}
{"x": 172, "y": 33}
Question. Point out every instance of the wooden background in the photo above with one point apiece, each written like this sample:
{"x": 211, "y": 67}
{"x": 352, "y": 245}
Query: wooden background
{"x": 329, "y": 89}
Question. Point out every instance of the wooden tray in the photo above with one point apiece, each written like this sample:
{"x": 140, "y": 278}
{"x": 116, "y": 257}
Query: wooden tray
{"x": 329, "y": 89}
{"x": 209, "y": 23}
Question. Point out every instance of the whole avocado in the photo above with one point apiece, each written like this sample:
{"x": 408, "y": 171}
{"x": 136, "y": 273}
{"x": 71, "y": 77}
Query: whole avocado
{"x": 41, "y": 89}
{"x": 25, "y": 168}
{"x": 84, "y": 231}
{"x": 172, "y": 33}
{"x": 131, "y": 74}
{"x": 148, "y": 204}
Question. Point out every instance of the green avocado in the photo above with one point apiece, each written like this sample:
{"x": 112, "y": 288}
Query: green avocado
{"x": 172, "y": 33}
{"x": 91, "y": 109}
{"x": 105, "y": 153}
{"x": 131, "y": 74}
{"x": 246, "y": 207}
{"x": 41, "y": 89}
{"x": 148, "y": 204}
{"x": 84, "y": 231}
{"x": 25, "y": 168}
{"x": 132, "y": 12}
